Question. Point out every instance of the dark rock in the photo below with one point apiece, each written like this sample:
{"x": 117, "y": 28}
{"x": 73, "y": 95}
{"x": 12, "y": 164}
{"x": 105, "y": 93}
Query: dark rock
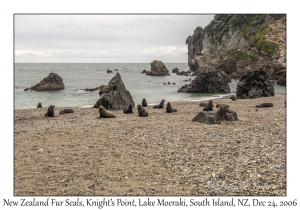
{"x": 254, "y": 84}
{"x": 203, "y": 104}
{"x": 264, "y": 105}
{"x": 109, "y": 71}
{"x": 158, "y": 68}
{"x": 26, "y": 89}
{"x": 39, "y": 105}
{"x": 181, "y": 73}
{"x": 103, "y": 89}
{"x": 52, "y": 82}
{"x": 91, "y": 89}
{"x": 116, "y": 96}
{"x": 215, "y": 81}
{"x": 144, "y": 71}
{"x": 65, "y": 111}
{"x": 175, "y": 70}
{"x": 282, "y": 79}
{"x": 228, "y": 65}
{"x": 208, "y": 117}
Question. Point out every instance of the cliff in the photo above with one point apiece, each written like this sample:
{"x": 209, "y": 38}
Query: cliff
{"x": 240, "y": 43}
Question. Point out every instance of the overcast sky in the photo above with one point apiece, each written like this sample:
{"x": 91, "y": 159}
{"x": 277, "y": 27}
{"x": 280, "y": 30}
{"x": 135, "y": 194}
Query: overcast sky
{"x": 104, "y": 38}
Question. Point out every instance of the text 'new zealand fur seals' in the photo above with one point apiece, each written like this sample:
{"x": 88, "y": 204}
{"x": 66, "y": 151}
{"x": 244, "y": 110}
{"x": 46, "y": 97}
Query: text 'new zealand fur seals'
{"x": 144, "y": 103}
{"x": 39, "y": 105}
{"x": 50, "y": 111}
{"x": 104, "y": 114}
{"x": 169, "y": 108}
{"x": 160, "y": 106}
{"x": 142, "y": 111}
{"x": 128, "y": 110}
{"x": 65, "y": 111}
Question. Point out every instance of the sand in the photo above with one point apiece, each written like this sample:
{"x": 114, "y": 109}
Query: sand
{"x": 163, "y": 154}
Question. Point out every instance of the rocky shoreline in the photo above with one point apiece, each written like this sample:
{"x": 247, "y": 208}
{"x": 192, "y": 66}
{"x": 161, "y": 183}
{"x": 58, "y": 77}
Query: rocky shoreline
{"x": 78, "y": 153}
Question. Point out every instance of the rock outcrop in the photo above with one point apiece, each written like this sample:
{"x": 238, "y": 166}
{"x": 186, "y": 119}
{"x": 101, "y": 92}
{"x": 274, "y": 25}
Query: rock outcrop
{"x": 114, "y": 96}
{"x": 215, "y": 81}
{"x": 237, "y": 43}
{"x": 254, "y": 84}
{"x": 158, "y": 68}
{"x": 210, "y": 117}
{"x": 52, "y": 82}
{"x": 175, "y": 70}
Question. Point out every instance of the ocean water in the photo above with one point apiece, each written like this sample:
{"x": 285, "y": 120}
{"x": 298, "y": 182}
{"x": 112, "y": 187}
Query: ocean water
{"x": 78, "y": 76}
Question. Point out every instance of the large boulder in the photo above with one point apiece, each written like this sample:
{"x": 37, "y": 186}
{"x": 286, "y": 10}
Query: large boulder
{"x": 114, "y": 96}
{"x": 254, "y": 84}
{"x": 52, "y": 82}
{"x": 158, "y": 68}
{"x": 214, "y": 81}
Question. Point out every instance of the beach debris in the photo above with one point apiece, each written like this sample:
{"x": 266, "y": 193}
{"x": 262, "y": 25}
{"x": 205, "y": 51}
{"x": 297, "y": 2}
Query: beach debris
{"x": 52, "y": 82}
{"x": 210, "y": 117}
{"x": 50, "y": 111}
{"x": 158, "y": 68}
{"x": 254, "y": 84}
{"x": 114, "y": 96}
{"x": 39, "y": 105}
{"x": 65, "y": 111}
{"x": 169, "y": 108}
{"x": 213, "y": 81}
{"x": 264, "y": 105}
{"x": 160, "y": 106}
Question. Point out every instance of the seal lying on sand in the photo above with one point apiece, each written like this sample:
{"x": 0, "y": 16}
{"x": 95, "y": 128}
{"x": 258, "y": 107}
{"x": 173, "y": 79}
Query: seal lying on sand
{"x": 264, "y": 105}
{"x": 161, "y": 105}
{"x": 169, "y": 108}
{"x": 39, "y": 105}
{"x": 209, "y": 106}
{"x": 142, "y": 111}
{"x": 128, "y": 110}
{"x": 65, "y": 111}
{"x": 104, "y": 114}
{"x": 144, "y": 102}
{"x": 50, "y": 112}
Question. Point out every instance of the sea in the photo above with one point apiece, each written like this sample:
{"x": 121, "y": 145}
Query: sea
{"x": 78, "y": 76}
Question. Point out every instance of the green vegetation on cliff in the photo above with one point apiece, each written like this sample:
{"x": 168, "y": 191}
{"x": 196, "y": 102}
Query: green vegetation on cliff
{"x": 239, "y": 55}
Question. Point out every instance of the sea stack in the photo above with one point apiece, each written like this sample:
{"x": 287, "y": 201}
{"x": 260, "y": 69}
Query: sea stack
{"x": 52, "y": 82}
{"x": 158, "y": 68}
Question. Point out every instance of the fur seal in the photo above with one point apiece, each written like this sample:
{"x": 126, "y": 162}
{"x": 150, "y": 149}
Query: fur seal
{"x": 39, "y": 105}
{"x": 104, "y": 114}
{"x": 142, "y": 111}
{"x": 65, "y": 111}
{"x": 161, "y": 105}
{"x": 50, "y": 111}
{"x": 209, "y": 106}
{"x": 128, "y": 110}
{"x": 144, "y": 103}
{"x": 203, "y": 104}
{"x": 169, "y": 108}
{"x": 264, "y": 105}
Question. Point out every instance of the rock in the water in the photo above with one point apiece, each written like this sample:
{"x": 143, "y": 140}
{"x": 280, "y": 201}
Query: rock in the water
{"x": 144, "y": 71}
{"x": 109, "y": 71}
{"x": 175, "y": 70}
{"x": 264, "y": 105}
{"x": 65, "y": 111}
{"x": 116, "y": 97}
{"x": 158, "y": 68}
{"x": 52, "y": 82}
{"x": 39, "y": 105}
{"x": 254, "y": 84}
{"x": 181, "y": 73}
{"x": 214, "y": 81}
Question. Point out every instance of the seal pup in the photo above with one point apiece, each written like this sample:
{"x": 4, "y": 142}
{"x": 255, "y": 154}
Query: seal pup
{"x": 209, "y": 106}
{"x": 128, "y": 110}
{"x": 144, "y": 103}
{"x": 65, "y": 111}
{"x": 142, "y": 111}
{"x": 50, "y": 111}
{"x": 169, "y": 108}
{"x": 39, "y": 105}
{"x": 104, "y": 114}
{"x": 161, "y": 105}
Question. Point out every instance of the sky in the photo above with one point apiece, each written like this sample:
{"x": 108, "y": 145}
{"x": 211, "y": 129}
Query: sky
{"x": 103, "y": 38}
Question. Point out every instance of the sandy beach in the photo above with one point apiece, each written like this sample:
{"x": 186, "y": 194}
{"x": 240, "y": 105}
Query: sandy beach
{"x": 163, "y": 154}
